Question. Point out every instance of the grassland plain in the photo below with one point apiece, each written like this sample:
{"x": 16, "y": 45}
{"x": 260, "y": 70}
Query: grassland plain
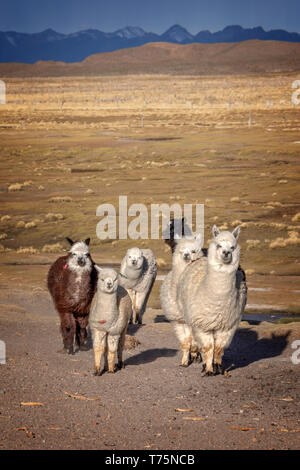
{"x": 70, "y": 144}
{"x": 229, "y": 142}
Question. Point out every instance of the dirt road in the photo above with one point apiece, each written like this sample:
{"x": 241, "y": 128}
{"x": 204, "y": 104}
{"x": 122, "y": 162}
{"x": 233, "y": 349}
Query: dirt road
{"x": 151, "y": 404}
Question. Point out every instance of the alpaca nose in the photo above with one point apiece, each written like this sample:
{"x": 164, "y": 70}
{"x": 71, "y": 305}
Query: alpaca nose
{"x": 186, "y": 256}
{"x": 226, "y": 253}
{"x": 134, "y": 261}
{"x": 81, "y": 261}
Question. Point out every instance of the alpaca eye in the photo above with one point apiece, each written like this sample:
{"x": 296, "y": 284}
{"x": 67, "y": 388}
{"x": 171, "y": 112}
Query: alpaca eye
{"x": 193, "y": 251}
{"x": 218, "y": 246}
{"x": 232, "y": 248}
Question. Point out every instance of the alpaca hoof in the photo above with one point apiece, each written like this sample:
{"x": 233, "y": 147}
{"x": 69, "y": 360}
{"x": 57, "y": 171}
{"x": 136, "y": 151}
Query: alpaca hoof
{"x": 184, "y": 364}
{"x": 97, "y": 372}
{"x": 218, "y": 369}
{"x": 83, "y": 347}
{"x": 121, "y": 365}
{"x": 70, "y": 350}
{"x": 203, "y": 367}
{"x": 209, "y": 373}
{"x": 111, "y": 371}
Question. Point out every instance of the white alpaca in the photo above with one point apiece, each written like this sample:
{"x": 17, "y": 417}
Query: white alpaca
{"x": 109, "y": 317}
{"x": 213, "y": 296}
{"x": 186, "y": 251}
{"x": 137, "y": 275}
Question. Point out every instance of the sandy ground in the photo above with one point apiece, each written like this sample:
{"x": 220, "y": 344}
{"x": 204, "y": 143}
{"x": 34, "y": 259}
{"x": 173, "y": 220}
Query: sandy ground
{"x": 151, "y": 404}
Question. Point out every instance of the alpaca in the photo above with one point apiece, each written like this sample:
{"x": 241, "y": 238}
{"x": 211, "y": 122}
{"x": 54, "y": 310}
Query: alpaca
{"x": 175, "y": 228}
{"x": 212, "y": 294}
{"x": 187, "y": 251}
{"x": 72, "y": 282}
{"x": 110, "y": 313}
{"x": 137, "y": 275}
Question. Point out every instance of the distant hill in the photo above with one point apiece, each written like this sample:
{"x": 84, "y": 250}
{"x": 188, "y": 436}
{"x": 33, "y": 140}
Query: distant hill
{"x": 202, "y": 59}
{"x": 75, "y": 47}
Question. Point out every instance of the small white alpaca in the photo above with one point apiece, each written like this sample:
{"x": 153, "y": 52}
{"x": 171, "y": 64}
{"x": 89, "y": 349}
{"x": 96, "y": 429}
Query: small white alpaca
{"x": 109, "y": 317}
{"x": 186, "y": 251}
{"x": 213, "y": 295}
{"x": 137, "y": 275}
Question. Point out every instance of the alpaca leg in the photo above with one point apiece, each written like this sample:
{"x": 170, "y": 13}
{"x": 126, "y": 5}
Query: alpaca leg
{"x": 222, "y": 340}
{"x": 183, "y": 333}
{"x": 99, "y": 346}
{"x": 132, "y": 294}
{"x": 121, "y": 349}
{"x": 195, "y": 351}
{"x": 206, "y": 342}
{"x": 141, "y": 302}
{"x": 112, "y": 346}
{"x": 81, "y": 331}
{"x": 68, "y": 329}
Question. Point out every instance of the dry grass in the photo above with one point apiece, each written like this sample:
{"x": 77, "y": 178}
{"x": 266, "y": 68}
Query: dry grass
{"x": 54, "y": 248}
{"x": 60, "y": 199}
{"x": 190, "y": 147}
{"x": 15, "y": 187}
{"x": 54, "y": 217}
{"x": 28, "y": 250}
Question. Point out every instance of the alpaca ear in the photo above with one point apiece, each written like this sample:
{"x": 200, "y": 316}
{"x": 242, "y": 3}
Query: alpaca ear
{"x": 70, "y": 241}
{"x": 98, "y": 268}
{"x": 87, "y": 241}
{"x": 215, "y": 231}
{"x": 236, "y": 232}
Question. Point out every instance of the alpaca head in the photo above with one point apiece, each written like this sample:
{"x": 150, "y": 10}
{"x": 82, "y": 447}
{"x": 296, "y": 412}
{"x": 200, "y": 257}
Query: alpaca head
{"x": 176, "y": 228}
{"x": 189, "y": 249}
{"x": 79, "y": 255}
{"x": 107, "y": 280}
{"x": 223, "y": 249}
{"x": 134, "y": 258}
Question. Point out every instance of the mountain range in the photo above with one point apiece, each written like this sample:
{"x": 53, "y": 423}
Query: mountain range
{"x": 75, "y": 47}
{"x": 246, "y": 57}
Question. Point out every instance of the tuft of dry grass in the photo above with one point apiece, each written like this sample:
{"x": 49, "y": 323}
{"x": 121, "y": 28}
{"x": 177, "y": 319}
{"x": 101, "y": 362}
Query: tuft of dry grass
{"x": 249, "y": 272}
{"x": 296, "y": 217}
{"x": 161, "y": 263}
{"x": 15, "y": 187}
{"x": 252, "y": 244}
{"x": 27, "y": 183}
{"x": 280, "y": 242}
{"x": 30, "y": 224}
{"x": 20, "y": 224}
{"x": 3, "y": 236}
{"x": 52, "y": 217}
{"x": 54, "y": 248}
{"x": 5, "y": 218}
{"x": 27, "y": 250}
{"x": 235, "y": 199}
{"x": 60, "y": 199}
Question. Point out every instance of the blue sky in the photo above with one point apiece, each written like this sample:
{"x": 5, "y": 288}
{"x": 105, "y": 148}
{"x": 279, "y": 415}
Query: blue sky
{"x": 153, "y": 15}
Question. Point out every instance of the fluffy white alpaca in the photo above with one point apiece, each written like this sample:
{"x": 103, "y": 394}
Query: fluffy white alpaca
{"x": 186, "y": 251}
{"x": 137, "y": 275}
{"x": 213, "y": 296}
{"x": 109, "y": 317}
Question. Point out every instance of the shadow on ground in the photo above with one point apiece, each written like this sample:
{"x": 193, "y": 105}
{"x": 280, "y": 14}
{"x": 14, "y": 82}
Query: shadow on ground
{"x": 247, "y": 348}
{"x": 150, "y": 356}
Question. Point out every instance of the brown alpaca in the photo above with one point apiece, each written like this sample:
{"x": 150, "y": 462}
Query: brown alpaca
{"x": 72, "y": 281}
